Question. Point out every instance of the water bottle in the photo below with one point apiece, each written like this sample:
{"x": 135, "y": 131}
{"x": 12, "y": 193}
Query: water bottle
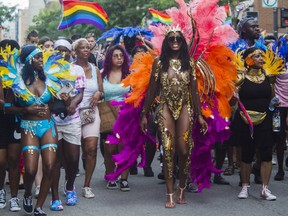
{"x": 276, "y": 121}
{"x": 274, "y": 101}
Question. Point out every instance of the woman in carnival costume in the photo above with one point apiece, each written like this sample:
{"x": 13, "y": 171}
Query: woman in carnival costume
{"x": 255, "y": 91}
{"x": 173, "y": 76}
{"x": 207, "y": 63}
{"x": 34, "y": 88}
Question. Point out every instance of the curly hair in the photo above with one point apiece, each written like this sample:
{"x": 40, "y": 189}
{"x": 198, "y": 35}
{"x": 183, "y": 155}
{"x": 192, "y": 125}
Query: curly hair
{"x": 108, "y": 62}
{"x": 167, "y": 51}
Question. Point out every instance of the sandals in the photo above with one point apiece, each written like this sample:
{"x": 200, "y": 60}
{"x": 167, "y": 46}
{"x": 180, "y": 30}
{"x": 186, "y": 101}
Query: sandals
{"x": 229, "y": 171}
{"x": 181, "y": 199}
{"x": 170, "y": 203}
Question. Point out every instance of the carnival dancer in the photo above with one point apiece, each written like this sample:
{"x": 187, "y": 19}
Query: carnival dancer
{"x": 255, "y": 93}
{"x": 34, "y": 88}
{"x": 206, "y": 63}
{"x": 173, "y": 76}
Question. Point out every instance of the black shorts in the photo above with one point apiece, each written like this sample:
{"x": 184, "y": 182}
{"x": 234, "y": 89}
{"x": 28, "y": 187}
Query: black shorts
{"x": 9, "y": 130}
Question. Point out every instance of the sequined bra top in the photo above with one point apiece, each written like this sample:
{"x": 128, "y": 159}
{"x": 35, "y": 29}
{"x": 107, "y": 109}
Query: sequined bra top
{"x": 33, "y": 99}
{"x": 175, "y": 90}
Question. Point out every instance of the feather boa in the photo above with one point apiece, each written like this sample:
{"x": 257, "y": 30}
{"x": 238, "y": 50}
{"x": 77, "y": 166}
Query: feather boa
{"x": 201, "y": 161}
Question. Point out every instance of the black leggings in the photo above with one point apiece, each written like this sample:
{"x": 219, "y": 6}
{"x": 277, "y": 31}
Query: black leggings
{"x": 263, "y": 142}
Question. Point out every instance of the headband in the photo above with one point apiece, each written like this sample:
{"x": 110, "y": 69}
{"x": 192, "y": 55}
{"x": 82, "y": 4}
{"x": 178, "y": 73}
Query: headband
{"x": 32, "y": 54}
{"x": 249, "y": 61}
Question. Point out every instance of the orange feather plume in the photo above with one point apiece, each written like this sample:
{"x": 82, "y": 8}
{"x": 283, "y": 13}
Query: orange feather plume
{"x": 139, "y": 78}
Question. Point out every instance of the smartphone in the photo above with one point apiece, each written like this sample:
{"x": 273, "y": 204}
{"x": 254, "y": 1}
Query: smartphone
{"x": 67, "y": 88}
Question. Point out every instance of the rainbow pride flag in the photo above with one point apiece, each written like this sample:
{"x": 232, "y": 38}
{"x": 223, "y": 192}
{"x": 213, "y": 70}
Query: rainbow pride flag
{"x": 80, "y": 12}
{"x": 228, "y": 10}
{"x": 159, "y": 17}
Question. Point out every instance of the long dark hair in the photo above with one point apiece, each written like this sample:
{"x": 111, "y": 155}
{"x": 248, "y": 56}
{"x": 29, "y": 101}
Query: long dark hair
{"x": 167, "y": 51}
{"x": 108, "y": 62}
{"x": 27, "y": 74}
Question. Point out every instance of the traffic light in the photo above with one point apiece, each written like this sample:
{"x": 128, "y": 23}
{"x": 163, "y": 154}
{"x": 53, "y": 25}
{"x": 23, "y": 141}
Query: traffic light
{"x": 284, "y": 17}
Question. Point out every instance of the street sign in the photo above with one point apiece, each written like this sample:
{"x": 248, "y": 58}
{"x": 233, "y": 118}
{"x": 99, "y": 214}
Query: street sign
{"x": 269, "y": 3}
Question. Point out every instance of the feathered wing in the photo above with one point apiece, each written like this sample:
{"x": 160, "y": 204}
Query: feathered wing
{"x": 57, "y": 70}
{"x": 117, "y": 33}
{"x": 274, "y": 65}
{"x": 55, "y": 67}
{"x": 10, "y": 69}
{"x": 127, "y": 129}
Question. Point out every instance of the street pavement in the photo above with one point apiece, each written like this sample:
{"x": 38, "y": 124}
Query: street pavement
{"x": 147, "y": 197}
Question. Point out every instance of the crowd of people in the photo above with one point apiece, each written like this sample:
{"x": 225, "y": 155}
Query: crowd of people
{"x": 31, "y": 124}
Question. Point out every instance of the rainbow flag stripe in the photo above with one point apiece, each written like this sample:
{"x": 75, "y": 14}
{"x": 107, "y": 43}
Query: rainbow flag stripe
{"x": 79, "y": 12}
{"x": 160, "y": 17}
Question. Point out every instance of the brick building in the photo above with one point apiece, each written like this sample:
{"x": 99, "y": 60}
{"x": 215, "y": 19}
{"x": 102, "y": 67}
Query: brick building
{"x": 265, "y": 16}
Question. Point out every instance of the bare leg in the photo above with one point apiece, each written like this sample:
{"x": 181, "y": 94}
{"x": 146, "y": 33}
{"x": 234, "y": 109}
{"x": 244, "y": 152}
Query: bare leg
{"x": 109, "y": 150}
{"x": 49, "y": 157}
{"x": 266, "y": 168}
{"x": 245, "y": 172}
{"x": 57, "y": 172}
{"x": 3, "y": 157}
{"x": 71, "y": 158}
{"x": 184, "y": 147}
{"x": 89, "y": 146}
{"x": 14, "y": 151}
{"x": 167, "y": 127}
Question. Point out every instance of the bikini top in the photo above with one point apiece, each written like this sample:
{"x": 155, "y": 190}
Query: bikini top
{"x": 33, "y": 99}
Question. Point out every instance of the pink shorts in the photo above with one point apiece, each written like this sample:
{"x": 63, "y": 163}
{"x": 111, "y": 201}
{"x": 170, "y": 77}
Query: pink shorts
{"x": 92, "y": 129}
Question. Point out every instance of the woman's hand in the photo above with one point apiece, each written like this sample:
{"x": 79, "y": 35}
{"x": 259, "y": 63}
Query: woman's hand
{"x": 67, "y": 99}
{"x": 37, "y": 109}
{"x": 95, "y": 99}
{"x": 143, "y": 124}
{"x": 204, "y": 125}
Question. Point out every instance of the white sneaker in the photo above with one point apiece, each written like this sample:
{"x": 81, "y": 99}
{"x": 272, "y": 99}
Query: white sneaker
{"x": 37, "y": 190}
{"x": 87, "y": 193}
{"x": 274, "y": 161}
{"x": 2, "y": 199}
{"x": 14, "y": 204}
{"x": 266, "y": 194}
{"x": 243, "y": 193}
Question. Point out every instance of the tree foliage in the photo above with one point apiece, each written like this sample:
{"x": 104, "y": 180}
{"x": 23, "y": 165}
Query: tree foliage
{"x": 121, "y": 13}
{"x": 6, "y": 13}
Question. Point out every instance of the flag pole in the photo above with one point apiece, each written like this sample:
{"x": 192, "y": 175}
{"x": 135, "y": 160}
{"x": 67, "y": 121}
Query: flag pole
{"x": 63, "y": 17}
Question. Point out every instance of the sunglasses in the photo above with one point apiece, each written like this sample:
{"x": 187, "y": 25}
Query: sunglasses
{"x": 171, "y": 39}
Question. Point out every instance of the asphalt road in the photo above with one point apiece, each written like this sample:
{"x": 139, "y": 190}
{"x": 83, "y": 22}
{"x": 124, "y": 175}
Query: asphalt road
{"x": 147, "y": 197}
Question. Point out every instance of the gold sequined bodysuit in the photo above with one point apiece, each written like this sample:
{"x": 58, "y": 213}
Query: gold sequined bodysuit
{"x": 175, "y": 93}
{"x": 175, "y": 90}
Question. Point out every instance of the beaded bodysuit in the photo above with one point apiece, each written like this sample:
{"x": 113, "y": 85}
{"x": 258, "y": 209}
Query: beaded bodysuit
{"x": 175, "y": 93}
